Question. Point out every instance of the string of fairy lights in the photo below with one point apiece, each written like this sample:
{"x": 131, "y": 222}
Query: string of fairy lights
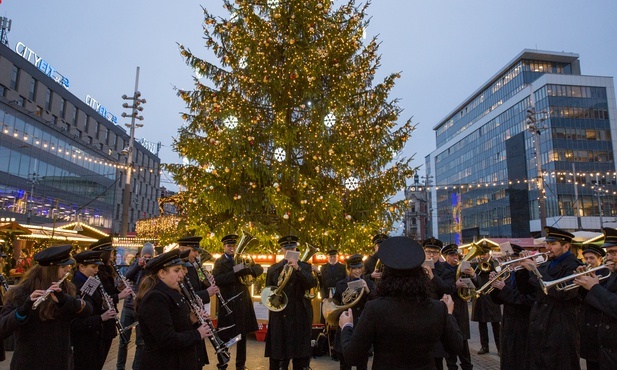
{"x": 71, "y": 153}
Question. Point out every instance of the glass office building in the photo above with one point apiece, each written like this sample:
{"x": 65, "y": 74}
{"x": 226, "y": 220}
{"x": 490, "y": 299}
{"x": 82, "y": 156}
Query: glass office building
{"x": 485, "y": 166}
{"x": 60, "y": 158}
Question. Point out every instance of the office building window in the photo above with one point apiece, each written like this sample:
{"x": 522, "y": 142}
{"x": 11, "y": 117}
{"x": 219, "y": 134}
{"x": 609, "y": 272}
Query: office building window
{"x": 32, "y": 90}
{"x": 48, "y": 99}
{"x": 14, "y": 77}
{"x": 62, "y": 107}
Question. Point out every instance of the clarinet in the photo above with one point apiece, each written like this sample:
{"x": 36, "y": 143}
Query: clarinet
{"x": 42, "y": 298}
{"x": 196, "y": 305}
{"x": 125, "y": 281}
{"x": 197, "y": 265}
{"x": 4, "y": 283}
{"x": 109, "y": 302}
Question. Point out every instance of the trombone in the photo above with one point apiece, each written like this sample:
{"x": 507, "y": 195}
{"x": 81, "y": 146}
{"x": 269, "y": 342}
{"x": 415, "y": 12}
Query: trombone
{"x": 566, "y": 284}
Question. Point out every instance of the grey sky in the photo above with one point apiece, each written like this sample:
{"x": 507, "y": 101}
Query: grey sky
{"x": 444, "y": 48}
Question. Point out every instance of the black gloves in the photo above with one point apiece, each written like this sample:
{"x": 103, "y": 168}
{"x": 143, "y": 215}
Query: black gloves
{"x": 245, "y": 271}
{"x": 256, "y": 270}
{"x": 61, "y": 297}
{"x": 26, "y": 307}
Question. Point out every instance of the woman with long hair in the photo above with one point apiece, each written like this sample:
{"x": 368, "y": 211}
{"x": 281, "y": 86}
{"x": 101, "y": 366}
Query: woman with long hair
{"x": 170, "y": 340}
{"x": 404, "y": 323}
{"x": 42, "y": 331}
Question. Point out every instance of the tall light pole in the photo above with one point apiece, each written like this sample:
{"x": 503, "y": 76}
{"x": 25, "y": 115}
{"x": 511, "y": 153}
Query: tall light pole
{"x": 128, "y": 151}
{"x": 535, "y": 126}
{"x": 33, "y": 179}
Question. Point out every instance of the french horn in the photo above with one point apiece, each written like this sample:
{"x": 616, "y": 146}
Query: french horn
{"x": 332, "y": 310}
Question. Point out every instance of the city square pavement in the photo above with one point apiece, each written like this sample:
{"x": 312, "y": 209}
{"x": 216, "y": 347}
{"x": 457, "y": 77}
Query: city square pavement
{"x": 257, "y": 361}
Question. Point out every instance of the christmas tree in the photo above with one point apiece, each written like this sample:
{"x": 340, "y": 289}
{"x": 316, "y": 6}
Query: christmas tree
{"x": 290, "y": 134}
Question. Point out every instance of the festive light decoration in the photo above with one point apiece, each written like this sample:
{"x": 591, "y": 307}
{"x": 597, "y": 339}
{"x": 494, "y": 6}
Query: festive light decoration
{"x": 231, "y": 122}
{"x": 300, "y": 80}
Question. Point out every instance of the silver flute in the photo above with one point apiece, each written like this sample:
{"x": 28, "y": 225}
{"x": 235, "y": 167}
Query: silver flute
{"x": 45, "y": 295}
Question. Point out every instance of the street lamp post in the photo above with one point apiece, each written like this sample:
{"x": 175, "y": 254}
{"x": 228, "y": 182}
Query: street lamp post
{"x": 535, "y": 126}
{"x": 33, "y": 179}
{"x": 128, "y": 151}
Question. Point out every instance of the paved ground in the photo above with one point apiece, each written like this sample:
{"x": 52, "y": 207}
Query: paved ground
{"x": 256, "y": 360}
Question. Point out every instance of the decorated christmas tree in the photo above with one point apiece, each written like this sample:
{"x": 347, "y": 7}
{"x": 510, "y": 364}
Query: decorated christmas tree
{"x": 287, "y": 132}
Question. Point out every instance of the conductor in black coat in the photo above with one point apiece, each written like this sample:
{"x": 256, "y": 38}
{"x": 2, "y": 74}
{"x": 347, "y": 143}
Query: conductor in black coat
{"x": 603, "y": 297}
{"x": 553, "y": 325}
{"x": 170, "y": 340}
{"x": 242, "y": 318}
{"x": 289, "y": 330}
{"x": 92, "y": 335}
{"x": 404, "y": 323}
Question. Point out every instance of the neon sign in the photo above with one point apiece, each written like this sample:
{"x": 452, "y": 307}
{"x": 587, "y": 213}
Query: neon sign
{"x": 101, "y": 109}
{"x": 29, "y": 55}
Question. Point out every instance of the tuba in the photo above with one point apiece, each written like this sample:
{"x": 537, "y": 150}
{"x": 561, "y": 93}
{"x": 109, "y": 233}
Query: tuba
{"x": 274, "y": 298}
{"x": 246, "y": 259}
{"x": 331, "y": 311}
{"x": 467, "y": 294}
{"x": 308, "y": 253}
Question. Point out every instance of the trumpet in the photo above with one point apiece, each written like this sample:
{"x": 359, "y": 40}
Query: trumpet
{"x": 508, "y": 263}
{"x": 488, "y": 287}
{"x": 566, "y": 284}
{"x": 45, "y": 295}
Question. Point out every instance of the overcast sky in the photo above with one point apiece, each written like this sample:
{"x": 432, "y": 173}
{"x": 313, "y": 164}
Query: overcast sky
{"x": 445, "y": 49}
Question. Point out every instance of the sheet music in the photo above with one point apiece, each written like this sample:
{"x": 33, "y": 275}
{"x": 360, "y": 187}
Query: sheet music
{"x": 292, "y": 256}
{"x": 90, "y": 286}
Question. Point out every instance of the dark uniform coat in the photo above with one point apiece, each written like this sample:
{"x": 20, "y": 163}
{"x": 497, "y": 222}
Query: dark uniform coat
{"x": 289, "y": 330}
{"x": 517, "y": 297}
{"x": 243, "y": 314}
{"x": 403, "y": 334}
{"x": 41, "y": 344}
{"x": 604, "y": 298}
{"x": 330, "y": 276}
{"x": 553, "y": 325}
{"x": 447, "y": 274}
{"x": 483, "y": 308}
{"x": 589, "y": 319}
{"x": 369, "y": 266}
{"x": 198, "y": 285}
{"x": 341, "y": 286}
{"x": 91, "y": 337}
{"x": 170, "y": 340}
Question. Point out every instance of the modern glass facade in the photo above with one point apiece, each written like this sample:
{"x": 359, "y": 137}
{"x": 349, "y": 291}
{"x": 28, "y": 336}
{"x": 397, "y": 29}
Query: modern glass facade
{"x": 485, "y": 161}
{"x": 61, "y": 160}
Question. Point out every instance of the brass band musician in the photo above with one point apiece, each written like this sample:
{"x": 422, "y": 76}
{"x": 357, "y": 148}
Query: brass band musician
{"x": 553, "y": 327}
{"x": 369, "y": 291}
{"x": 517, "y": 297}
{"x": 289, "y": 330}
{"x": 371, "y": 261}
{"x": 603, "y": 297}
{"x": 242, "y": 318}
